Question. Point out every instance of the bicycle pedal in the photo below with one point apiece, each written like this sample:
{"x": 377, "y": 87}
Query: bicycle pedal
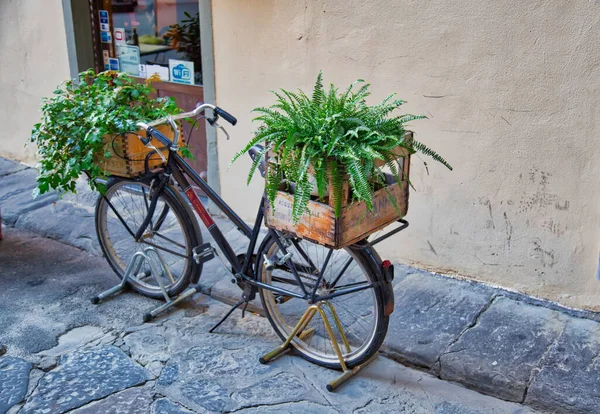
{"x": 280, "y": 299}
{"x": 203, "y": 253}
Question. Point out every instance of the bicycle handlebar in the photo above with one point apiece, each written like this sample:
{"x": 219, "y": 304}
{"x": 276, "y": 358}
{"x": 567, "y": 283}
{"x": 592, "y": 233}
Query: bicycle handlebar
{"x": 151, "y": 132}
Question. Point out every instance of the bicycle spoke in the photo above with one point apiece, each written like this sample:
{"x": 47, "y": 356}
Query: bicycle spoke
{"x": 164, "y": 249}
{"x": 344, "y": 268}
{"x": 169, "y": 240}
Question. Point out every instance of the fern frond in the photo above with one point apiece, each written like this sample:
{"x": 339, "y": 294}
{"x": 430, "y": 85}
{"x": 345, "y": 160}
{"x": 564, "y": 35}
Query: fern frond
{"x": 321, "y": 177}
{"x": 338, "y": 187}
{"x": 272, "y": 183}
{"x": 431, "y": 153}
{"x": 318, "y": 92}
{"x": 257, "y": 160}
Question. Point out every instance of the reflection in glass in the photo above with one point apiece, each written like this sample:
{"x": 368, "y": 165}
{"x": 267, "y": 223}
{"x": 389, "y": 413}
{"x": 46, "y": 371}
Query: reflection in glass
{"x": 163, "y": 29}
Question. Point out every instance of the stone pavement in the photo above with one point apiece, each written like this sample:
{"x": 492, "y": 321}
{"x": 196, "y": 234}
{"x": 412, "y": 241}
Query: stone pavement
{"x": 496, "y": 342}
{"x": 108, "y": 362}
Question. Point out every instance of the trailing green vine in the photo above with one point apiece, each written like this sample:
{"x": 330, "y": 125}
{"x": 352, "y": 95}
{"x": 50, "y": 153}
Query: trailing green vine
{"x": 337, "y": 133}
{"x": 80, "y": 113}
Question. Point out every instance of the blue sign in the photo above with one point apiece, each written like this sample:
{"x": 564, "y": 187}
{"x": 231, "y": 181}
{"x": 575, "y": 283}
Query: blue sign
{"x": 181, "y": 71}
{"x": 105, "y": 37}
{"x": 114, "y": 63}
{"x": 103, "y": 14}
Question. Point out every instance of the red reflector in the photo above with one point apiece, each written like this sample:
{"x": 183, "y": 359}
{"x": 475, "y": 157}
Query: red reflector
{"x": 386, "y": 264}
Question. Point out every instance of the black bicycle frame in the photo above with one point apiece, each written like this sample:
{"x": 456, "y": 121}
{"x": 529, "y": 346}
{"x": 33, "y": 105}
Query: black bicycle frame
{"x": 179, "y": 169}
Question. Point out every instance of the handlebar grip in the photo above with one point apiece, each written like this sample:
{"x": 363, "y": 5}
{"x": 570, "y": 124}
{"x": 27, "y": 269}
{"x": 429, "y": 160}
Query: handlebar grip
{"x": 153, "y": 133}
{"x": 225, "y": 115}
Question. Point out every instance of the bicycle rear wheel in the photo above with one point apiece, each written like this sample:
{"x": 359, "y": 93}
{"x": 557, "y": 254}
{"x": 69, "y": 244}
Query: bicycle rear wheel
{"x": 360, "y": 315}
{"x": 173, "y": 232}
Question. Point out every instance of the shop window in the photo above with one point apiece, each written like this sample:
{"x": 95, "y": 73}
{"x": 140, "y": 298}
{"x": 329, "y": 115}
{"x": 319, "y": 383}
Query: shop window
{"x": 152, "y": 36}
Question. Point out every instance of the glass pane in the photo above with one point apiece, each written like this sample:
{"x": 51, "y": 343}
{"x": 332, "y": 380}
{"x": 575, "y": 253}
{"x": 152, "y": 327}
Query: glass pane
{"x": 164, "y": 30}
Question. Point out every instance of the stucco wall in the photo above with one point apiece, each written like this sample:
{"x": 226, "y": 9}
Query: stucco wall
{"x": 33, "y": 61}
{"x": 512, "y": 93}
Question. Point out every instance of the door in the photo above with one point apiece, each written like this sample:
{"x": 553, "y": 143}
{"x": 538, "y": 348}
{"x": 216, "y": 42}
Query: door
{"x": 147, "y": 37}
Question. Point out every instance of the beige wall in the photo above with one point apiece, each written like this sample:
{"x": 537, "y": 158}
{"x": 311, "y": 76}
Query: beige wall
{"x": 33, "y": 61}
{"x": 512, "y": 90}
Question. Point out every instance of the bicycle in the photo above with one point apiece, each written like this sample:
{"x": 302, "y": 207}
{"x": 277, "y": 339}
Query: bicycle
{"x": 352, "y": 286}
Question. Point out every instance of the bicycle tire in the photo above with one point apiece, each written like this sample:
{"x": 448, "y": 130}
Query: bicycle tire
{"x": 178, "y": 233}
{"x": 366, "y": 259}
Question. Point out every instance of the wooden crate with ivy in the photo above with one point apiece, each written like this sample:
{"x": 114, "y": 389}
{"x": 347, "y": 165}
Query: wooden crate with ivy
{"x": 127, "y": 154}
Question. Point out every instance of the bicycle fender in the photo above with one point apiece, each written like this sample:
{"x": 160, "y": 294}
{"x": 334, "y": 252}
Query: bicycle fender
{"x": 385, "y": 274}
{"x": 388, "y": 289}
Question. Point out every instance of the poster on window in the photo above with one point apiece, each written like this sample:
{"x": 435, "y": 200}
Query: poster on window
{"x": 129, "y": 58}
{"x": 181, "y": 71}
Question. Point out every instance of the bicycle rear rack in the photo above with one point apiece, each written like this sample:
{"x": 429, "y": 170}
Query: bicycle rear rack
{"x": 133, "y": 271}
{"x": 299, "y": 330}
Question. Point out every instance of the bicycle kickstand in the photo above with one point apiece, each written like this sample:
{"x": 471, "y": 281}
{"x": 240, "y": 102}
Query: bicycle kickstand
{"x": 228, "y": 314}
{"x": 248, "y": 295}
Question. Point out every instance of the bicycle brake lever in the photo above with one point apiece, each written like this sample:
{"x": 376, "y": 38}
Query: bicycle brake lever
{"x": 222, "y": 129}
{"x": 149, "y": 145}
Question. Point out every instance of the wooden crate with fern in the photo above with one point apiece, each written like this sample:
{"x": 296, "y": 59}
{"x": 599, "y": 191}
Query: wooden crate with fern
{"x": 355, "y": 221}
{"x": 128, "y": 153}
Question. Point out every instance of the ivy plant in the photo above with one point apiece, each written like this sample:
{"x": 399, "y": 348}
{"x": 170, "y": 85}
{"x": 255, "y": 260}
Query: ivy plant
{"x": 77, "y": 117}
{"x": 337, "y": 133}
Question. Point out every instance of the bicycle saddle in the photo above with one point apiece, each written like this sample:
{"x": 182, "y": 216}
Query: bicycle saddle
{"x": 254, "y": 152}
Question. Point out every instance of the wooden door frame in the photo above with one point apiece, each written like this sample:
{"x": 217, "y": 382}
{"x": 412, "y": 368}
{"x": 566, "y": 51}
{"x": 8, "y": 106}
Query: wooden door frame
{"x": 77, "y": 47}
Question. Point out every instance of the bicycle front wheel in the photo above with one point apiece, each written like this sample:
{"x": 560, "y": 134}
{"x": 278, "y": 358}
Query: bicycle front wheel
{"x": 172, "y": 232}
{"x": 356, "y": 319}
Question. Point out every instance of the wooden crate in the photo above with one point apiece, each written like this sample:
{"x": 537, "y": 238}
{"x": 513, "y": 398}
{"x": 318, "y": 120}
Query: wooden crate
{"x": 355, "y": 222}
{"x": 127, "y": 153}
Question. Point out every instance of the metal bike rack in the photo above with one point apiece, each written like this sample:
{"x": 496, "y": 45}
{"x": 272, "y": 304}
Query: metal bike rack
{"x": 299, "y": 330}
{"x": 133, "y": 271}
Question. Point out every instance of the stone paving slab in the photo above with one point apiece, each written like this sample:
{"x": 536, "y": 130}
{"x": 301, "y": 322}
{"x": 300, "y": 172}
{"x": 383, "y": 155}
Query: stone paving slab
{"x": 498, "y": 354}
{"x": 54, "y": 283}
{"x": 82, "y": 377}
{"x": 568, "y": 380}
{"x": 68, "y": 223}
{"x": 135, "y": 400}
{"x": 292, "y": 408}
{"x": 166, "y": 406}
{"x": 14, "y": 378}
{"x": 10, "y": 167}
{"x": 429, "y": 315}
{"x": 16, "y": 195}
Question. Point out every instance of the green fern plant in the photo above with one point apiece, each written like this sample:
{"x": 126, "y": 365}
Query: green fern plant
{"x": 337, "y": 133}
